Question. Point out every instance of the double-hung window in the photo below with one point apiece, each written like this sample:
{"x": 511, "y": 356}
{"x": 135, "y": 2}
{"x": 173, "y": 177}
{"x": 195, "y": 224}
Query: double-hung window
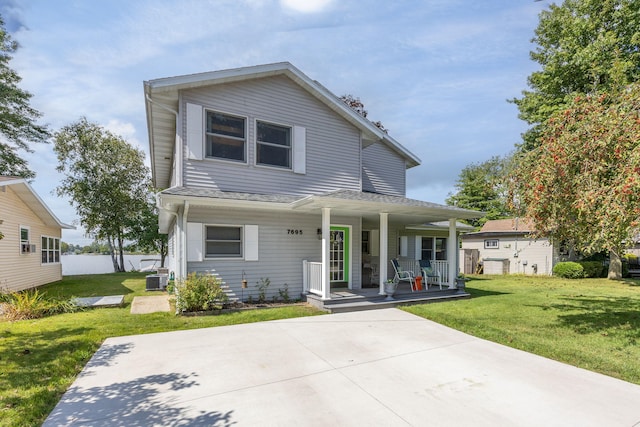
{"x": 273, "y": 145}
{"x": 225, "y": 136}
{"x": 223, "y": 241}
{"x": 25, "y": 247}
{"x": 50, "y": 250}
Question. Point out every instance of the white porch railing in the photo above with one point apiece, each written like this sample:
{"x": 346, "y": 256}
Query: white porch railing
{"x": 440, "y": 267}
{"x": 312, "y": 277}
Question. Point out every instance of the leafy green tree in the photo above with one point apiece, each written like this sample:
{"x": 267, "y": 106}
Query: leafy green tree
{"x": 18, "y": 119}
{"x": 481, "y": 187}
{"x": 582, "y": 46}
{"x": 145, "y": 234}
{"x": 582, "y": 183}
{"x": 107, "y": 182}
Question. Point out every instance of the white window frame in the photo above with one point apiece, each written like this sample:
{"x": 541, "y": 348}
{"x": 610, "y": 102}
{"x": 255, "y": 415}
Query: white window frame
{"x": 25, "y": 245}
{"x": 290, "y": 147}
{"x": 207, "y": 134}
{"x": 492, "y": 243}
{"x": 223, "y": 257}
{"x": 48, "y": 250}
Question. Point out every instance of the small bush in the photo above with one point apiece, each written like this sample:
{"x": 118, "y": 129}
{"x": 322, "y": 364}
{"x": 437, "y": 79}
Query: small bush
{"x": 568, "y": 270}
{"x": 199, "y": 293}
{"x": 262, "y": 286}
{"x": 32, "y": 304}
{"x": 592, "y": 269}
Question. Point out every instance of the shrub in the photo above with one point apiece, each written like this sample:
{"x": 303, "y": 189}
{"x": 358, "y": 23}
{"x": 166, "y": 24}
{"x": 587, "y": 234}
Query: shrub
{"x": 32, "y": 304}
{"x": 592, "y": 268}
{"x": 199, "y": 293}
{"x": 568, "y": 270}
{"x": 262, "y": 286}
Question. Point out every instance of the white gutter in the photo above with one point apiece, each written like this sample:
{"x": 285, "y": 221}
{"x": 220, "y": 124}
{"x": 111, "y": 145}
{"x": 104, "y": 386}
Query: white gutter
{"x": 178, "y": 161}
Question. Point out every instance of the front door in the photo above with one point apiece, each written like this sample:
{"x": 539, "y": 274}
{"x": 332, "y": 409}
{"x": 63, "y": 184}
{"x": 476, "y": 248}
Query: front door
{"x": 339, "y": 256}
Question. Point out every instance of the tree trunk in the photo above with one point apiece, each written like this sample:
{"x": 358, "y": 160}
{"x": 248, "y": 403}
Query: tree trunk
{"x": 121, "y": 248}
{"x": 615, "y": 266}
{"x": 113, "y": 255}
{"x": 163, "y": 253}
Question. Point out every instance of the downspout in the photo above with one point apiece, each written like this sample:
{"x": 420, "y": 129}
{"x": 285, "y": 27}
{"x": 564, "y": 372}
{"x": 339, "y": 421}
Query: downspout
{"x": 183, "y": 256}
{"x": 178, "y": 273}
{"x": 179, "y": 151}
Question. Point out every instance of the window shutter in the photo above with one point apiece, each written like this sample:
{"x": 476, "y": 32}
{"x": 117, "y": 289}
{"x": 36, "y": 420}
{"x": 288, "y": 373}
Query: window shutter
{"x": 418, "y": 248}
{"x": 374, "y": 242}
{"x": 195, "y": 241}
{"x": 251, "y": 243}
{"x": 195, "y": 131}
{"x": 404, "y": 246}
{"x": 299, "y": 149}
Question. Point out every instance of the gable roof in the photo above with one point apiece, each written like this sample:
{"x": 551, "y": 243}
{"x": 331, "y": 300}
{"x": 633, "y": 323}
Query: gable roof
{"x": 24, "y": 191}
{"x": 508, "y": 225}
{"x": 162, "y": 96}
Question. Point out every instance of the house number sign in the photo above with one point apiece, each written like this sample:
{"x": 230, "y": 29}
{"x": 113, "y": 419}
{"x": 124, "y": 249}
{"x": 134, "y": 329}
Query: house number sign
{"x": 294, "y": 232}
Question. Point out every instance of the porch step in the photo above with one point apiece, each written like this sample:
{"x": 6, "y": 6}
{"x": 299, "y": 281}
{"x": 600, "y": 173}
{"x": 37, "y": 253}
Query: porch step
{"x": 362, "y": 302}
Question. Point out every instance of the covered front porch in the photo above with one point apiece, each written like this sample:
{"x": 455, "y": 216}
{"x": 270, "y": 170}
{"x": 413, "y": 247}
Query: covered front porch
{"x": 399, "y": 229}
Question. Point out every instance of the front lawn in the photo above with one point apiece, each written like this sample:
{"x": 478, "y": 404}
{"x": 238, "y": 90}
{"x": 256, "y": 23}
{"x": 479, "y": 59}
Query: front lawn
{"x": 40, "y": 359}
{"x": 590, "y": 323}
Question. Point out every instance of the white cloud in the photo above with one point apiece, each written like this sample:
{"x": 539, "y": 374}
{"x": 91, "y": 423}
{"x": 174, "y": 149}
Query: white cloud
{"x": 306, "y": 6}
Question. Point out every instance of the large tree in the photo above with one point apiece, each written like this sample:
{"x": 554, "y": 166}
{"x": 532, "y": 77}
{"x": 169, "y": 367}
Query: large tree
{"x": 18, "y": 125}
{"x": 144, "y": 231}
{"x": 106, "y": 179}
{"x": 581, "y": 185}
{"x": 582, "y": 46}
{"x": 482, "y": 187}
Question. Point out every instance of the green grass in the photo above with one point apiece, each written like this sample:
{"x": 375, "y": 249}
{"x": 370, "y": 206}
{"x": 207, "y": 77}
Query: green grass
{"x": 40, "y": 359}
{"x": 590, "y": 323}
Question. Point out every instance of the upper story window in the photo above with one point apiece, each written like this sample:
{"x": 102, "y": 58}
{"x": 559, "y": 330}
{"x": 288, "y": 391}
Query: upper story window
{"x": 273, "y": 145}
{"x": 225, "y": 136}
{"x": 491, "y": 244}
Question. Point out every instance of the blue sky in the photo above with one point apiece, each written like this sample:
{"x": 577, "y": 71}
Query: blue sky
{"x": 437, "y": 73}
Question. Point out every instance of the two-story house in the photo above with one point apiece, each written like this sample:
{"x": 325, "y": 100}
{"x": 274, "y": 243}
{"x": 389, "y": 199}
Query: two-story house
{"x": 267, "y": 174}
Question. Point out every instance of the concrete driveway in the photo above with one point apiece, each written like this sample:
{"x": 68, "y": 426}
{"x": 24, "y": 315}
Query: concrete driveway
{"x": 370, "y": 368}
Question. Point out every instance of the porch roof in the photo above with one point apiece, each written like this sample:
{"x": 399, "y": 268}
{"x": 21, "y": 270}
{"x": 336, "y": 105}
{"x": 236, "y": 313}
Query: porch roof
{"x": 341, "y": 202}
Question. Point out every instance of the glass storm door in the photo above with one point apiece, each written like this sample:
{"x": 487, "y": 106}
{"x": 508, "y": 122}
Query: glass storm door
{"x": 339, "y": 254}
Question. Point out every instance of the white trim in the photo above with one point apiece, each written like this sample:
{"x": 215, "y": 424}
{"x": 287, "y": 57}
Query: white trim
{"x": 246, "y": 136}
{"x": 195, "y": 131}
{"x": 251, "y": 242}
{"x": 204, "y": 242}
{"x": 299, "y": 149}
{"x": 350, "y": 227}
{"x": 418, "y": 248}
{"x": 59, "y": 250}
{"x": 195, "y": 241}
{"x": 255, "y": 145}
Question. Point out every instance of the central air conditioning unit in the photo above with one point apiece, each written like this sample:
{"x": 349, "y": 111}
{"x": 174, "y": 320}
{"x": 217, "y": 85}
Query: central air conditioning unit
{"x": 157, "y": 282}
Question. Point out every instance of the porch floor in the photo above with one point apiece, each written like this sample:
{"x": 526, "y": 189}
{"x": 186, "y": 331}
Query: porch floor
{"x": 345, "y": 300}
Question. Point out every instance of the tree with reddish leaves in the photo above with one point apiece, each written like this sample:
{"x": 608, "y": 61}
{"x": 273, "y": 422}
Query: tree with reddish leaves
{"x": 581, "y": 184}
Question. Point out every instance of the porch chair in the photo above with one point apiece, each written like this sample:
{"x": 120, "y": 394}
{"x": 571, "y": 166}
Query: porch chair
{"x": 403, "y": 275}
{"x": 429, "y": 274}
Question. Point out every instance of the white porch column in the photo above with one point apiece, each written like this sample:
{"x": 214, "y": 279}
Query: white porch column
{"x": 452, "y": 253}
{"x": 326, "y": 229}
{"x": 384, "y": 249}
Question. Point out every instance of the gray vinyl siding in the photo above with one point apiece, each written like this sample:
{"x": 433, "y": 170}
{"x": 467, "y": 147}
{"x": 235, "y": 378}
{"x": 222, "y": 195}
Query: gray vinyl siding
{"x": 280, "y": 254}
{"x": 332, "y": 144}
{"x": 383, "y": 170}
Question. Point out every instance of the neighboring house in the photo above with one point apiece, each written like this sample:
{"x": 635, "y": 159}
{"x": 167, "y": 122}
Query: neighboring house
{"x": 267, "y": 174}
{"x": 30, "y": 249}
{"x": 503, "y": 246}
